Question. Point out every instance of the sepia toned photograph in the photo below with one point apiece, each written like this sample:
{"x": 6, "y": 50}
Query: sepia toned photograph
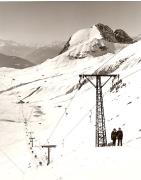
{"x": 70, "y": 90}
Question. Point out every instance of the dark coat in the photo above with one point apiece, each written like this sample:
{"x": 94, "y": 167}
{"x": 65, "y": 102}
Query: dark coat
{"x": 119, "y": 134}
{"x": 113, "y": 135}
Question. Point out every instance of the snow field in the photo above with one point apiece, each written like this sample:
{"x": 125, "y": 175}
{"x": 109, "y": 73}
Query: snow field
{"x": 68, "y": 120}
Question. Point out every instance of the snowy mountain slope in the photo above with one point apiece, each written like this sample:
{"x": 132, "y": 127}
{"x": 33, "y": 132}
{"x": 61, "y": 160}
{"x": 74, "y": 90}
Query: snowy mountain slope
{"x": 68, "y": 119}
{"x": 34, "y": 53}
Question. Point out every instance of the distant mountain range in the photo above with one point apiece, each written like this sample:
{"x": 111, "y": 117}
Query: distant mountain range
{"x": 12, "y": 48}
{"x": 14, "y": 62}
{"x": 34, "y": 54}
{"x": 43, "y": 53}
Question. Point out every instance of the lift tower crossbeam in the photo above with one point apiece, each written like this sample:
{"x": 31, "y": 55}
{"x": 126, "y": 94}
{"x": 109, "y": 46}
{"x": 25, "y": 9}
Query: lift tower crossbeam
{"x": 100, "y": 136}
{"x": 49, "y": 147}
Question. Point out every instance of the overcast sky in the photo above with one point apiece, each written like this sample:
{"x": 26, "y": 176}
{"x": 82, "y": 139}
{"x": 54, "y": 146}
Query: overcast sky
{"x": 35, "y": 22}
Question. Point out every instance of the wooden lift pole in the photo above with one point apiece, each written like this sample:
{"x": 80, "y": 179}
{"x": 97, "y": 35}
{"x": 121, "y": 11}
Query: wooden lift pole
{"x": 100, "y": 138}
{"x": 49, "y": 147}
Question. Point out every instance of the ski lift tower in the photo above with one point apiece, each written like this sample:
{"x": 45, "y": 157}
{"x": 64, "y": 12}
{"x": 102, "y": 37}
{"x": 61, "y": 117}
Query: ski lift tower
{"x": 100, "y": 136}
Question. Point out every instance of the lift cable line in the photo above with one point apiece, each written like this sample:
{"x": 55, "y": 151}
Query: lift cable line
{"x": 12, "y": 162}
{"x": 100, "y": 133}
{"x": 89, "y": 113}
{"x": 77, "y": 124}
{"x": 64, "y": 113}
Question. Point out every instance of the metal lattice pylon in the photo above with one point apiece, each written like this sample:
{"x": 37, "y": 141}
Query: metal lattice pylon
{"x": 101, "y": 139}
{"x": 100, "y": 136}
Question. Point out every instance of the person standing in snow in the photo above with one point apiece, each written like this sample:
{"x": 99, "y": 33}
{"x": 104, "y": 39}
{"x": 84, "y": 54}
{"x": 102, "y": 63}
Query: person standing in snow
{"x": 119, "y": 136}
{"x": 114, "y": 136}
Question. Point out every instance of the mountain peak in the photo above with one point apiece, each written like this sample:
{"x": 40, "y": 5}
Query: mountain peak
{"x": 122, "y": 37}
{"x": 106, "y": 32}
{"x": 85, "y": 34}
{"x": 100, "y": 32}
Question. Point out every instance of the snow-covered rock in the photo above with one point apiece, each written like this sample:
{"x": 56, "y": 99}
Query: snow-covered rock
{"x": 85, "y": 35}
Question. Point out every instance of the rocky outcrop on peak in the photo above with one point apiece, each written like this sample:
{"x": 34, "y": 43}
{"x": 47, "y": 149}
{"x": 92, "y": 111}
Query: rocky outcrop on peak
{"x": 65, "y": 48}
{"x": 117, "y": 36}
{"x": 106, "y": 32}
{"x": 122, "y": 37}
